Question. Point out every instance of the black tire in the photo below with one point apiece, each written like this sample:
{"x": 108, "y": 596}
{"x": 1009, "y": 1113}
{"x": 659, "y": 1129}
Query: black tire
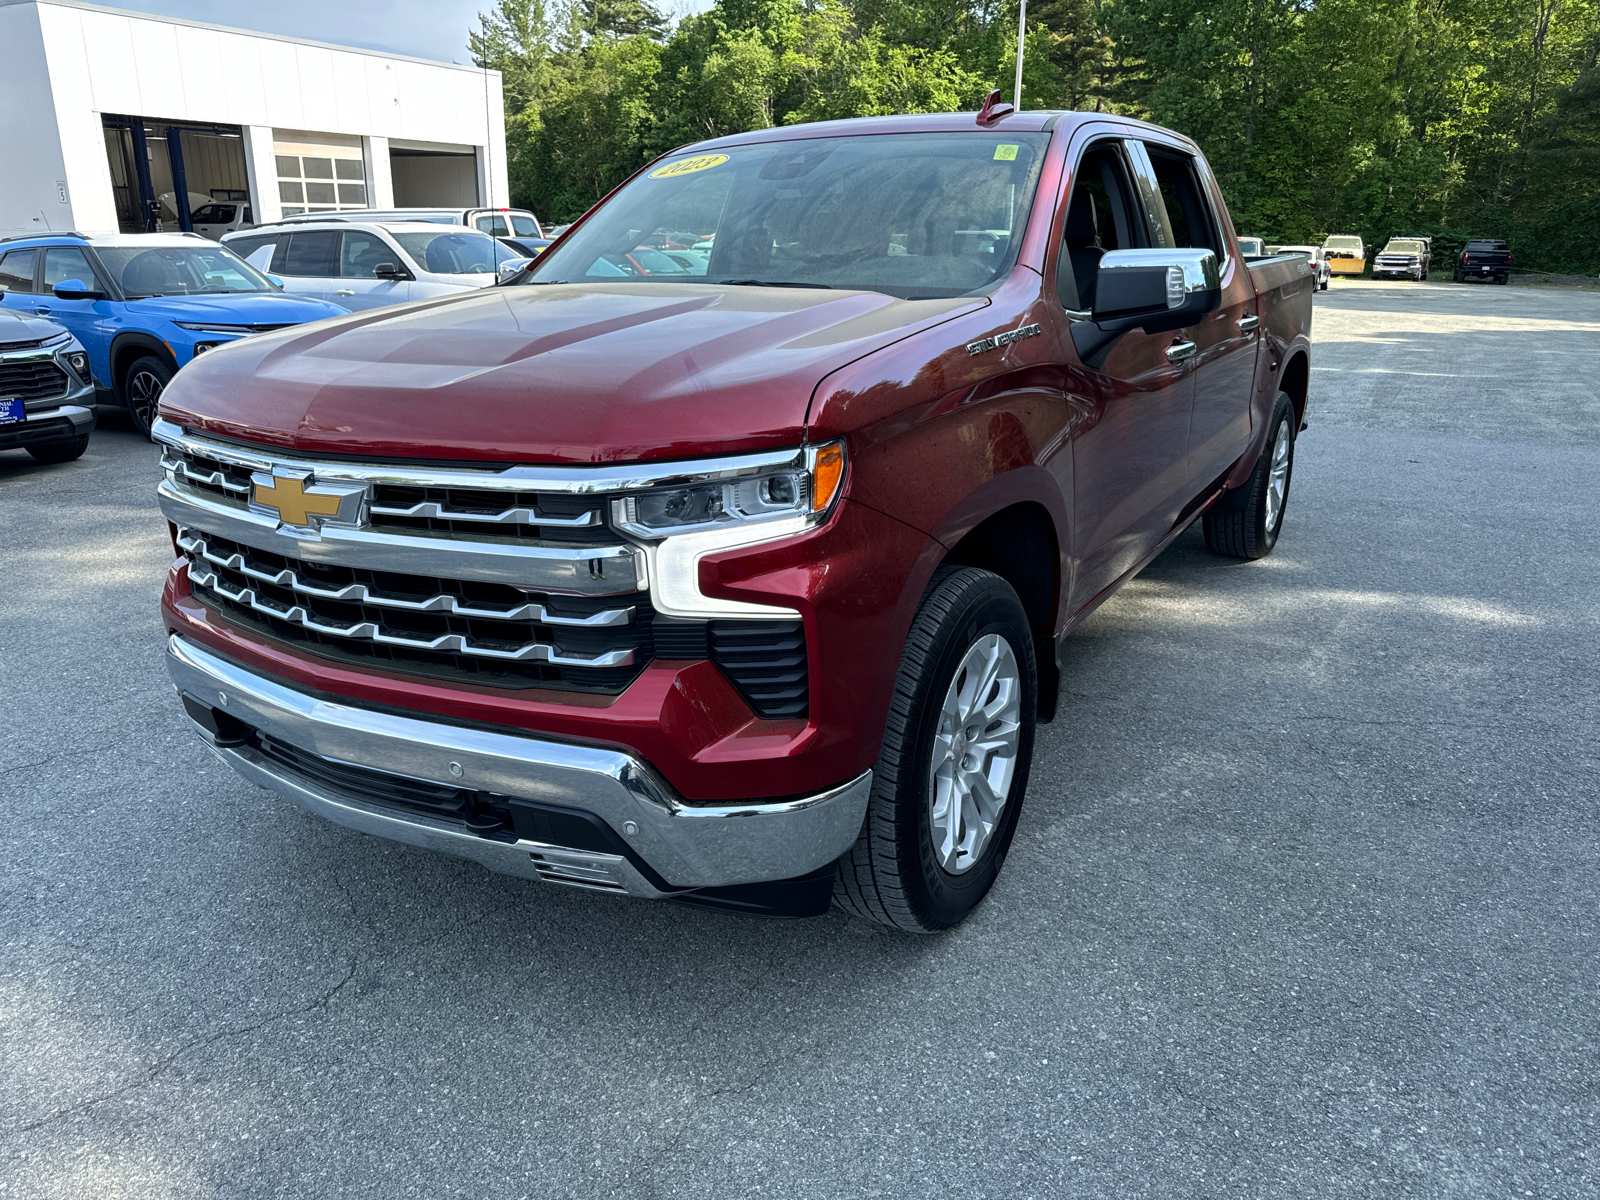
{"x": 60, "y": 452}
{"x": 1237, "y": 526}
{"x": 142, "y": 384}
{"x": 1457, "y": 277}
{"x": 893, "y": 874}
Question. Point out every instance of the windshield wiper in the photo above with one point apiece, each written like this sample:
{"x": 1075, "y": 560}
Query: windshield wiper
{"x": 774, "y": 283}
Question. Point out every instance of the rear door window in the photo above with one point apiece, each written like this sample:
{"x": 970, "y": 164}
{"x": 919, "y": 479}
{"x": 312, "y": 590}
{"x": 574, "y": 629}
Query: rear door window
{"x": 16, "y": 270}
{"x": 314, "y": 253}
{"x": 1188, "y": 213}
{"x": 524, "y": 226}
{"x": 494, "y": 226}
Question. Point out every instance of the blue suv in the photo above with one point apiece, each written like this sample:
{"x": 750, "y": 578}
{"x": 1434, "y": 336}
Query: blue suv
{"x": 144, "y": 304}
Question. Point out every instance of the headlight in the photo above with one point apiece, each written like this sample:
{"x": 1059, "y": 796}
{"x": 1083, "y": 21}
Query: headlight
{"x": 213, "y": 327}
{"x": 804, "y": 486}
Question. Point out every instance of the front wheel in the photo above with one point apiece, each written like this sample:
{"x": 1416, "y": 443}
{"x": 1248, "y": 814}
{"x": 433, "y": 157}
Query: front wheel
{"x": 1246, "y": 521}
{"x": 954, "y": 765}
{"x": 142, "y": 386}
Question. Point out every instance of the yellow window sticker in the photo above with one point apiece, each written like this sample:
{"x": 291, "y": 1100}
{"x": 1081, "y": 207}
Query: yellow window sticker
{"x": 1005, "y": 154}
{"x": 688, "y": 166}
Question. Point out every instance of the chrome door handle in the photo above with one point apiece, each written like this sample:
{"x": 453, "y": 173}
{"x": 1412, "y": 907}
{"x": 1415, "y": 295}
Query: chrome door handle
{"x": 1248, "y": 324}
{"x": 1179, "y": 351}
{"x": 345, "y": 292}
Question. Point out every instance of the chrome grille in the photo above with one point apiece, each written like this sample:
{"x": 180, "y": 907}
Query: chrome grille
{"x": 474, "y": 512}
{"x": 430, "y": 625}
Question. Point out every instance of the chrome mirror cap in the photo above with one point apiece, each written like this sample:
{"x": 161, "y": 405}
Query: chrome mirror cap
{"x": 1188, "y": 271}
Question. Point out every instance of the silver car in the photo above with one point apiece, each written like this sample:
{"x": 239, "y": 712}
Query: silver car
{"x": 371, "y": 264}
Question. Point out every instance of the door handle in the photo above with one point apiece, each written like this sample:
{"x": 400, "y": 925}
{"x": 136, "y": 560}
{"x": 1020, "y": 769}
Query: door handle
{"x": 345, "y": 292}
{"x": 1179, "y": 351}
{"x": 42, "y": 309}
{"x": 1248, "y": 324}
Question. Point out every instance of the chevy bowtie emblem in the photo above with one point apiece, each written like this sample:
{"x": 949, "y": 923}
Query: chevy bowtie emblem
{"x": 296, "y": 501}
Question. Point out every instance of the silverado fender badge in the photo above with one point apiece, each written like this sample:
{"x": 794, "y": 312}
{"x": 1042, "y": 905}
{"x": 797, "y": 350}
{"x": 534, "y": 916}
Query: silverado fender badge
{"x": 1003, "y": 339}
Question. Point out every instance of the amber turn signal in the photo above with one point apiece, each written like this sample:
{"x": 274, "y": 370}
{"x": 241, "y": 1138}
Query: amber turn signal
{"x": 827, "y": 473}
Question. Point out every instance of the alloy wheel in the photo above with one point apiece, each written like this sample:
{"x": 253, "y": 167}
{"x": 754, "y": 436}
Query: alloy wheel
{"x": 1278, "y": 475}
{"x": 144, "y": 397}
{"x": 974, "y": 753}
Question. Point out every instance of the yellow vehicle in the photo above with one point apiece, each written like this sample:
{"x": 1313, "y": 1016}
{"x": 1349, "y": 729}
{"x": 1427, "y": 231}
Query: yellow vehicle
{"x": 1346, "y": 254}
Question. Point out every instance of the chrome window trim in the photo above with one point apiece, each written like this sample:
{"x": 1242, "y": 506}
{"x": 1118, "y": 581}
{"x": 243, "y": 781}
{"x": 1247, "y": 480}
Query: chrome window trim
{"x": 573, "y": 480}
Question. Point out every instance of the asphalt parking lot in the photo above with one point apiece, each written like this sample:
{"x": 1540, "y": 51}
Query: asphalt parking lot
{"x": 1303, "y": 902}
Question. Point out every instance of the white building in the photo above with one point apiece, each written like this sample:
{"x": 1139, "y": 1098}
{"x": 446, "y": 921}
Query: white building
{"x": 116, "y": 121}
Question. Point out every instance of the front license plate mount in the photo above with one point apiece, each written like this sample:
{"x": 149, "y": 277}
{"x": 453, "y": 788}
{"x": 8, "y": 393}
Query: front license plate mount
{"x": 12, "y": 411}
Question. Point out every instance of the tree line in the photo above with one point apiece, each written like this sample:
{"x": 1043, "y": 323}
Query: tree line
{"x": 1450, "y": 118}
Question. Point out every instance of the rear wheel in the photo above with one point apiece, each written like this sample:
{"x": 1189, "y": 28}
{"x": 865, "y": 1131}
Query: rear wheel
{"x": 954, "y": 766}
{"x": 60, "y": 452}
{"x": 1246, "y": 521}
{"x": 142, "y": 386}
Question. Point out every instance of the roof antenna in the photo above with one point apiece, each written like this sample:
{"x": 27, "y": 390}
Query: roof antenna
{"x": 994, "y": 108}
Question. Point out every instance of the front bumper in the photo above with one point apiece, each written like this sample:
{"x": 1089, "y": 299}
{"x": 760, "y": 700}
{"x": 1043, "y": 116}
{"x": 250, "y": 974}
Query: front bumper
{"x": 50, "y": 421}
{"x": 663, "y": 846}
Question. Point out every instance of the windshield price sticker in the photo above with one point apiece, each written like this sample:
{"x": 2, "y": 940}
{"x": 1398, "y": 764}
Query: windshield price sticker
{"x": 1002, "y": 339}
{"x": 688, "y": 166}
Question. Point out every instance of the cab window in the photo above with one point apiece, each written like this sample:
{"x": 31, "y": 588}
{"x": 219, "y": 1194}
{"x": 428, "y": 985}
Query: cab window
{"x": 16, "y": 270}
{"x": 1100, "y": 218}
{"x": 494, "y": 226}
{"x": 524, "y": 226}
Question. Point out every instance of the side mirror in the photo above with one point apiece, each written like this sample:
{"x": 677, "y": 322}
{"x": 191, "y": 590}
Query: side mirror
{"x": 1152, "y": 290}
{"x": 1155, "y": 290}
{"x": 511, "y": 268}
{"x": 75, "y": 289}
{"x": 276, "y": 281}
{"x": 389, "y": 270}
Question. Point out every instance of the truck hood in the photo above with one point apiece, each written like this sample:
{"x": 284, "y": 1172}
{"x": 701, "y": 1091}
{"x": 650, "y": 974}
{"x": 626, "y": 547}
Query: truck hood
{"x": 241, "y": 308}
{"x": 554, "y": 373}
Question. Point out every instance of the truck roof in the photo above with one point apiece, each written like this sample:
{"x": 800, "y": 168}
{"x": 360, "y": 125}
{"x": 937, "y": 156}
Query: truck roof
{"x": 1033, "y": 120}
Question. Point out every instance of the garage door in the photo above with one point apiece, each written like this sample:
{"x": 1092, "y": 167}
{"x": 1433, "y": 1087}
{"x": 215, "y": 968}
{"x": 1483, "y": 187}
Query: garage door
{"x": 319, "y": 172}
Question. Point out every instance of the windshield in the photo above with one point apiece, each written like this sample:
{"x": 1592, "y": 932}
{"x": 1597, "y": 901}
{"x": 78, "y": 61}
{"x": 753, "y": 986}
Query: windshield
{"x": 1343, "y": 243}
{"x": 142, "y": 271}
{"x": 1404, "y": 246}
{"x": 456, "y": 252}
{"x": 913, "y": 215}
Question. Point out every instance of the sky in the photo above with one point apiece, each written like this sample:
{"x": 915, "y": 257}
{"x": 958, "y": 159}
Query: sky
{"x": 435, "y": 29}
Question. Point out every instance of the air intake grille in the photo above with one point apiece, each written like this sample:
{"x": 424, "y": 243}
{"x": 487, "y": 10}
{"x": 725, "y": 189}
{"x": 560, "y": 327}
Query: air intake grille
{"x": 766, "y": 661}
{"x": 474, "y": 513}
{"x": 31, "y": 380}
{"x": 492, "y": 632}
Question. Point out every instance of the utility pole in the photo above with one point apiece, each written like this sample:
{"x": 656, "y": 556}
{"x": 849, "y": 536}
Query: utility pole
{"x": 1022, "y": 30}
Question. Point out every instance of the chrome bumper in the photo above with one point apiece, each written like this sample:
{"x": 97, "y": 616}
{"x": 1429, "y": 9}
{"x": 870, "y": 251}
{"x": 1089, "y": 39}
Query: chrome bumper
{"x": 688, "y": 846}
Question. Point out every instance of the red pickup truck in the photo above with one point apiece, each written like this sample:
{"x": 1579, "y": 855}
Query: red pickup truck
{"x": 724, "y": 556}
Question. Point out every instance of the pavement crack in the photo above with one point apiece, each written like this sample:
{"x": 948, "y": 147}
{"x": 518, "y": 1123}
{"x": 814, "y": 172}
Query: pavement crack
{"x": 52, "y": 758}
{"x": 161, "y": 1066}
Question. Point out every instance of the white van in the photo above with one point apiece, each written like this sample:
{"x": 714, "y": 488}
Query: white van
{"x": 371, "y": 264}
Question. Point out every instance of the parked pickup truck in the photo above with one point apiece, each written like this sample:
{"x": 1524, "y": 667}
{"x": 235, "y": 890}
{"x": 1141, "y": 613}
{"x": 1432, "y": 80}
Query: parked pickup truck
{"x": 1345, "y": 254}
{"x": 1484, "y": 259}
{"x": 746, "y": 590}
{"x": 1402, "y": 258}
